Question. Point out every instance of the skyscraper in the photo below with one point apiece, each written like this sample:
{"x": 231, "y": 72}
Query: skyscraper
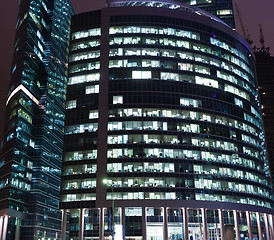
{"x": 265, "y": 74}
{"x": 164, "y": 135}
{"x": 220, "y": 8}
{"x": 31, "y": 153}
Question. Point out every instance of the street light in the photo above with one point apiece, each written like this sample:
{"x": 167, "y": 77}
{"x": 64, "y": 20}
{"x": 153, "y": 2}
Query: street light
{"x": 105, "y": 182}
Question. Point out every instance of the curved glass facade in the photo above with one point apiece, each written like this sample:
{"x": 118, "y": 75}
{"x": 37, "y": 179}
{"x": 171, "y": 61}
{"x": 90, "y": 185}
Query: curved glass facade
{"x": 163, "y": 121}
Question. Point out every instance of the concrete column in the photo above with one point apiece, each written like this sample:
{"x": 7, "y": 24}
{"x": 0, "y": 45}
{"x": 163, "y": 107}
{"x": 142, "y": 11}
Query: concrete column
{"x": 144, "y": 223}
{"x": 249, "y": 224}
{"x": 236, "y": 223}
{"x": 64, "y": 224}
{"x": 204, "y": 223}
{"x": 221, "y": 219}
{"x": 165, "y": 223}
{"x": 271, "y": 226}
{"x": 81, "y": 224}
{"x": 101, "y": 223}
{"x": 5, "y": 227}
{"x": 267, "y": 230}
{"x": 259, "y": 226}
{"x": 1, "y": 226}
{"x": 123, "y": 222}
{"x": 185, "y": 217}
{"x": 17, "y": 231}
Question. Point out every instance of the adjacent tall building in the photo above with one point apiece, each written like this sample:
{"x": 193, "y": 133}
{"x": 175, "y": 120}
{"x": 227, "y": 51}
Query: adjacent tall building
{"x": 220, "y": 8}
{"x": 164, "y": 135}
{"x": 265, "y": 75}
{"x": 31, "y": 154}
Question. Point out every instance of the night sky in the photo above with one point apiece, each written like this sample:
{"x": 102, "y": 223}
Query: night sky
{"x": 253, "y": 13}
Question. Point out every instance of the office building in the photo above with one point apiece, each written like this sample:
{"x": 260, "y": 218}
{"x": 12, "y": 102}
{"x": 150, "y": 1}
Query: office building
{"x": 265, "y": 75}
{"x": 223, "y": 9}
{"x": 164, "y": 135}
{"x": 30, "y": 163}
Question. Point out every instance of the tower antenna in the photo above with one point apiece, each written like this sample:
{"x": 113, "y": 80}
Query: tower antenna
{"x": 262, "y": 37}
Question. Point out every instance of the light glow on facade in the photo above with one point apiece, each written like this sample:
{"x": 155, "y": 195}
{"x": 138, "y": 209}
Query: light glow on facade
{"x": 26, "y": 91}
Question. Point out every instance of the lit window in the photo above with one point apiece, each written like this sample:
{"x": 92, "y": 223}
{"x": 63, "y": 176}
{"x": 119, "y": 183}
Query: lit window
{"x": 84, "y": 67}
{"x": 202, "y": 69}
{"x": 185, "y": 66}
{"x": 40, "y": 46}
{"x": 84, "y": 34}
{"x": 84, "y": 56}
{"x": 92, "y": 89}
{"x": 236, "y": 91}
{"x": 206, "y": 82}
{"x": 71, "y": 104}
{"x": 150, "y": 63}
{"x": 116, "y": 63}
{"x": 74, "y": 129}
{"x": 83, "y": 45}
{"x": 224, "y": 12}
{"x": 93, "y": 114}
{"x": 141, "y": 74}
{"x": 238, "y": 102}
{"x": 84, "y": 78}
{"x": 255, "y": 112}
{"x": 190, "y": 102}
{"x": 10, "y": 136}
{"x": 38, "y": 53}
{"x": 151, "y": 30}
{"x": 169, "y": 76}
{"x": 24, "y": 115}
{"x": 117, "y": 99}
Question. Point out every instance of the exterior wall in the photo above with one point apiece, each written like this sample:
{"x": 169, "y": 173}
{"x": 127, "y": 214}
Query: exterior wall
{"x": 31, "y": 151}
{"x": 162, "y": 112}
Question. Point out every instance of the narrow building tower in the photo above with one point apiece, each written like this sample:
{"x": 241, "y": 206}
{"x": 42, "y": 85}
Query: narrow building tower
{"x": 30, "y": 163}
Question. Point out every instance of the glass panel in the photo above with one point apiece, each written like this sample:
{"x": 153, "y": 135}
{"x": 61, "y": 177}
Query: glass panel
{"x": 263, "y": 227}
{"x": 243, "y": 225}
{"x": 155, "y": 223}
{"x": 91, "y": 223}
{"x": 175, "y": 225}
{"x": 213, "y": 225}
{"x": 74, "y": 219}
{"x": 133, "y": 223}
{"x": 111, "y": 229}
{"x": 254, "y": 226}
{"x": 195, "y": 225}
